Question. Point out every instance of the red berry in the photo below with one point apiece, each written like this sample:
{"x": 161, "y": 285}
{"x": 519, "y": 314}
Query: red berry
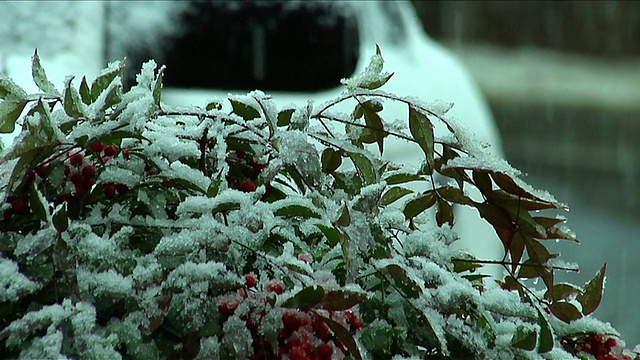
{"x": 292, "y": 342}
{"x": 226, "y": 308}
{"x": 122, "y": 188}
{"x": 307, "y": 346}
{"x": 110, "y": 150}
{"x": 89, "y": 172}
{"x": 80, "y": 191}
{"x": 247, "y": 186}
{"x": 126, "y": 153}
{"x": 109, "y": 190}
{"x": 297, "y": 353}
{"x": 20, "y": 206}
{"x": 6, "y": 215}
{"x": 598, "y": 338}
{"x": 610, "y": 343}
{"x": 250, "y": 280}
{"x": 76, "y": 179}
{"x": 353, "y": 320}
{"x": 275, "y": 286}
{"x": 240, "y": 154}
{"x": 76, "y": 160}
{"x": 258, "y": 167}
{"x": 97, "y": 147}
{"x": 167, "y": 183}
{"x": 67, "y": 170}
{"x": 63, "y": 198}
{"x": 320, "y": 328}
{"x": 325, "y": 351}
{"x": 290, "y": 321}
{"x": 42, "y": 171}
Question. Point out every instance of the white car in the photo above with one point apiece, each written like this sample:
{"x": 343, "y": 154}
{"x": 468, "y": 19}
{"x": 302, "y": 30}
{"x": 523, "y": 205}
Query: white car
{"x": 292, "y": 50}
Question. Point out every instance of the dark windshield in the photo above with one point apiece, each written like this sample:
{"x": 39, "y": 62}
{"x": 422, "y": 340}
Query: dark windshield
{"x": 278, "y": 46}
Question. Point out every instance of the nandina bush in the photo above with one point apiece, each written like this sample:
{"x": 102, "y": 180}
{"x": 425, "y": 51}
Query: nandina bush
{"x": 239, "y": 230}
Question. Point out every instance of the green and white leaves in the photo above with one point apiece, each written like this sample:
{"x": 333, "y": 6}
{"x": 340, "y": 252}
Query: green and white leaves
{"x": 40, "y": 77}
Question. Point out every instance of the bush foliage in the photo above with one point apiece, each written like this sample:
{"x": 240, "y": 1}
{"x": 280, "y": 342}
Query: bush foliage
{"x": 239, "y": 230}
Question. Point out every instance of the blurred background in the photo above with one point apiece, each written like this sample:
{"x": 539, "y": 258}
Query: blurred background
{"x": 563, "y": 82}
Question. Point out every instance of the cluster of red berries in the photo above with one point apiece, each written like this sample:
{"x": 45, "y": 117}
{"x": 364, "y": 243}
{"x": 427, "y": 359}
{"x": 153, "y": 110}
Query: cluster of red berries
{"x": 81, "y": 173}
{"x": 18, "y": 206}
{"x": 304, "y": 334}
{"x": 250, "y": 170}
{"x": 599, "y": 346}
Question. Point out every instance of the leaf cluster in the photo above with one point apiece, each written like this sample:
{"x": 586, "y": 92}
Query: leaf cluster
{"x": 193, "y": 200}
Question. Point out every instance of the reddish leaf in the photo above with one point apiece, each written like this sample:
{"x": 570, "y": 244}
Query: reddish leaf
{"x": 344, "y": 336}
{"x": 565, "y": 311}
{"x": 339, "y": 300}
{"x": 562, "y": 291}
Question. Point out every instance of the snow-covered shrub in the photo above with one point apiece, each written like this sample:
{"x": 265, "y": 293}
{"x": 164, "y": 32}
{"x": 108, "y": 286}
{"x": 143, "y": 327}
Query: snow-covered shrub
{"x": 242, "y": 231}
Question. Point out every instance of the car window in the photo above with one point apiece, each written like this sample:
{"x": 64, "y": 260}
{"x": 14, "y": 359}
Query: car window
{"x": 275, "y": 46}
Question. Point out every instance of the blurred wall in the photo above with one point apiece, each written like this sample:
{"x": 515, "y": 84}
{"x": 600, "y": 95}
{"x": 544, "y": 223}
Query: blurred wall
{"x": 564, "y": 86}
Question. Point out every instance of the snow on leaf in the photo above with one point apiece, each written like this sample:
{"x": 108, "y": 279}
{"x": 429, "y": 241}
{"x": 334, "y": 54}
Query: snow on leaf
{"x": 14, "y": 285}
{"x": 40, "y": 77}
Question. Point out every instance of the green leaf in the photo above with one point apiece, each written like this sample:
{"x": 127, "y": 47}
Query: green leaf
{"x": 402, "y": 281}
{"x": 422, "y": 131}
{"x": 305, "y": 298}
{"x": 455, "y": 195}
{"x": 297, "y": 210}
{"x": 284, "y": 117}
{"x": 403, "y": 178}
{"x": 444, "y": 214}
{"x": 226, "y": 206}
{"x": 378, "y": 82}
{"x": 332, "y": 234}
{"x": 467, "y": 263}
{"x": 524, "y": 338}
{"x": 516, "y": 249}
{"x": 40, "y": 77}
{"x": 482, "y": 181}
{"x": 60, "y": 218}
{"x": 345, "y": 218}
{"x": 113, "y": 97}
{"x": 339, "y": 300}
{"x": 592, "y": 295}
{"x": 344, "y": 336}
{"x": 214, "y": 187}
{"x": 331, "y": 160}
{"x": 85, "y": 93}
{"x": 10, "y": 90}
{"x": 72, "y": 102}
{"x": 358, "y": 112}
{"x": 38, "y": 204}
{"x": 213, "y": 105}
{"x": 102, "y": 82}
{"x": 157, "y": 87}
{"x": 10, "y": 110}
{"x": 393, "y": 194}
{"x": 365, "y": 167}
{"x": 421, "y": 203}
{"x": 565, "y": 311}
{"x": 546, "y": 336}
{"x": 374, "y": 123}
{"x": 378, "y": 340}
{"x": 245, "y": 111}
